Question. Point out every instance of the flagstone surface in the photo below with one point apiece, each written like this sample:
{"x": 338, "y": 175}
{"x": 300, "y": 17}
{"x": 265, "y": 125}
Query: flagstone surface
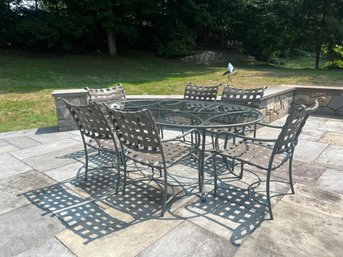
{"x": 48, "y": 209}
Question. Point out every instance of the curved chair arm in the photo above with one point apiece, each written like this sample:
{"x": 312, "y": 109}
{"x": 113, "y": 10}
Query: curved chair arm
{"x": 182, "y": 136}
{"x": 268, "y": 125}
{"x": 245, "y": 138}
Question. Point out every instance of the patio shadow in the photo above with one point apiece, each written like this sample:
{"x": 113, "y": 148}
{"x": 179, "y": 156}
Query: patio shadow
{"x": 93, "y": 217}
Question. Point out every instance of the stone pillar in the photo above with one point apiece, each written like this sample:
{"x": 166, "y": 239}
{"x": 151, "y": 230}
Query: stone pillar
{"x": 64, "y": 119}
{"x": 276, "y": 105}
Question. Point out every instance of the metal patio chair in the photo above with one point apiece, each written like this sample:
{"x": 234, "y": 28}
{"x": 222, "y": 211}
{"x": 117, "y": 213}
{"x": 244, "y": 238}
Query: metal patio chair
{"x": 267, "y": 154}
{"x": 140, "y": 142}
{"x": 95, "y": 131}
{"x": 201, "y": 93}
{"x": 250, "y": 97}
{"x": 106, "y": 95}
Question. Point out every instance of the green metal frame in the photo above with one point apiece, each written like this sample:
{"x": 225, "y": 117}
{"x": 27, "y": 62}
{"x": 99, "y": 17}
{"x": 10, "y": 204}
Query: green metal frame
{"x": 284, "y": 145}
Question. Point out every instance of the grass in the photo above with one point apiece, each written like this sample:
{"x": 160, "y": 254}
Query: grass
{"x": 27, "y": 81}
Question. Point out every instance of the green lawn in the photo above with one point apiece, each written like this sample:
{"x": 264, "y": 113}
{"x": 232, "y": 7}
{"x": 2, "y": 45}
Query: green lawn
{"x": 27, "y": 81}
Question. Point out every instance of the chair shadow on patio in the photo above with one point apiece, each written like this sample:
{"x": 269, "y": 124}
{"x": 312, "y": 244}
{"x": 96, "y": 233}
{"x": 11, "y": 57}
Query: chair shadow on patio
{"x": 141, "y": 200}
{"x": 82, "y": 216}
{"x": 86, "y": 207}
{"x": 96, "y": 159}
{"x": 238, "y": 207}
{"x": 92, "y": 210}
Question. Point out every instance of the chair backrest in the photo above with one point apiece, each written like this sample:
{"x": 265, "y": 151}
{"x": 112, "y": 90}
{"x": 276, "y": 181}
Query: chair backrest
{"x": 106, "y": 95}
{"x": 137, "y": 130}
{"x": 90, "y": 120}
{"x": 251, "y": 97}
{"x": 288, "y": 137}
{"x": 201, "y": 93}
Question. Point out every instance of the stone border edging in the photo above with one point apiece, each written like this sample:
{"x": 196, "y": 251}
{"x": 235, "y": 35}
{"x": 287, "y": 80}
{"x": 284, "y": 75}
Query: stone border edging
{"x": 275, "y": 103}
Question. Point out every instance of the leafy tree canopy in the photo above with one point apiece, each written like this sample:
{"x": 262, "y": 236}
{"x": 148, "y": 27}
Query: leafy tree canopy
{"x": 267, "y": 29}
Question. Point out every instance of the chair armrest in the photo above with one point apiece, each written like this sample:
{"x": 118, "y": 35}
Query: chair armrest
{"x": 181, "y": 136}
{"x": 245, "y": 138}
{"x": 270, "y": 126}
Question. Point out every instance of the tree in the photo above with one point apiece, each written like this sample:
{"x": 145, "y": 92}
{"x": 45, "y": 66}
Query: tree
{"x": 322, "y": 21}
{"x": 7, "y": 21}
{"x": 266, "y": 29}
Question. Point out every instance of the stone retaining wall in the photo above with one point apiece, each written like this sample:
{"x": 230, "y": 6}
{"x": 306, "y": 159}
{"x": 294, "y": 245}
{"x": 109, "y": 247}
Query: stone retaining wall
{"x": 76, "y": 96}
{"x": 334, "y": 99}
{"x": 275, "y": 104}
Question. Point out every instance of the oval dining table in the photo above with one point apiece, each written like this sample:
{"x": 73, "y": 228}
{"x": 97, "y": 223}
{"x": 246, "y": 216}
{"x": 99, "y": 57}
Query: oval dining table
{"x": 190, "y": 114}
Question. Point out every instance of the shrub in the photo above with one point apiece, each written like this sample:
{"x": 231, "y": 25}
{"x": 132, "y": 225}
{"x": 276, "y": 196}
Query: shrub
{"x": 336, "y": 57}
{"x": 178, "y": 43}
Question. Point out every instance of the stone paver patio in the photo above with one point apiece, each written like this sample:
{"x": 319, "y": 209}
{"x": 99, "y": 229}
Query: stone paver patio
{"x": 47, "y": 209}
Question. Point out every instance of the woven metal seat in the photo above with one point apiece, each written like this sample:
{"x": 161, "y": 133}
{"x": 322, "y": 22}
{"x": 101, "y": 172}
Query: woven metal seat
{"x": 95, "y": 131}
{"x": 140, "y": 142}
{"x": 267, "y": 154}
{"x": 106, "y": 95}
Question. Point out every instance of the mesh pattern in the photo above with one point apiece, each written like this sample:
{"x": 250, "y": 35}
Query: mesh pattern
{"x": 248, "y": 97}
{"x": 255, "y": 153}
{"x": 137, "y": 130}
{"x": 288, "y": 137}
{"x": 106, "y": 95}
{"x": 91, "y": 121}
{"x": 172, "y": 153}
{"x": 259, "y": 153}
{"x": 201, "y": 93}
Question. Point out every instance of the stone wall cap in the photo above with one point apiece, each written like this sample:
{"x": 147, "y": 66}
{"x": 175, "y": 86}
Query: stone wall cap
{"x": 276, "y": 90}
{"x": 69, "y": 92}
{"x": 145, "y": 97}
{"x": 313, "y": 87}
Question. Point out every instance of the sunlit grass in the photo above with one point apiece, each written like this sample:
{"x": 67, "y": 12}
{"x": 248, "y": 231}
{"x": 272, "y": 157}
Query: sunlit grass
{"x": 26, "y": 82}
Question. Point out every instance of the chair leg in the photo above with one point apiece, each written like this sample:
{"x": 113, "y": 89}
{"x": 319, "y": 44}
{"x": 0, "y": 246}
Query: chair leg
{"x": 213, "y": 139}
{"x": 87, "y": 159}
{"x": 215, "y": 176}
{"x": 290, "y": 174}
{"x": 231, "y": 167}
{"x": 164, "y": 193}
{"x": 242, "y": 168}
{"x": 268, "y": 194}
{"x": 183, "y": 131}
{"x": 199, "y": 177}
{"x": 121, "y": 158}
{"x": 118, "y": 176}
{"x": 112, "y": 163}
{"x": 255, "y": 128}
{"x": 125, "y": 172}
{"x": 225, "y": 141}
{"x": 161, "y": 130}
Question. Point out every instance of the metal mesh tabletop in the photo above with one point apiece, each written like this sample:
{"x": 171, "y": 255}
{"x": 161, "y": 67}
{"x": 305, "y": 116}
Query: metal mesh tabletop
{"x": 194, "y": 114}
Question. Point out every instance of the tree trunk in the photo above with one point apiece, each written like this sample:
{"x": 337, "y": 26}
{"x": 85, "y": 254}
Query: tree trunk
{"x": 320, "y": 35}
{"x": 222, "y": 39}
{"x": 319, "y": 47}
{"x": 111, "y": 42}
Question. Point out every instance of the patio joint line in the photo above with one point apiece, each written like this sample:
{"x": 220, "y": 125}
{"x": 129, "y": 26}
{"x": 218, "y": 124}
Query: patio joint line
{"x": 174, "y": 228}
{"x": 309, "y": 209}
